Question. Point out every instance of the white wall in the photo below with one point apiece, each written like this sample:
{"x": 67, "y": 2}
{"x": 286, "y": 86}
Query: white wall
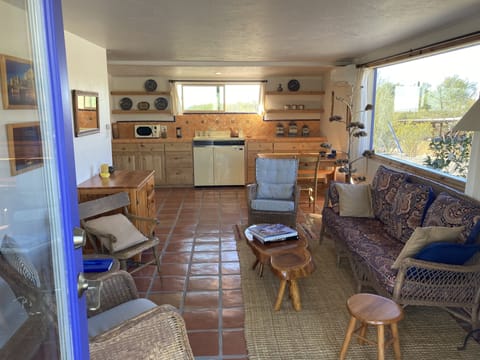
{"x": 87, "y": 71}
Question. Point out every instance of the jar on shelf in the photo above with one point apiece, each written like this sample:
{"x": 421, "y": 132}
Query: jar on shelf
{"x": 292, "y": 129}
{"x": 305, "y": 130}
{"x": 279, "y": 131}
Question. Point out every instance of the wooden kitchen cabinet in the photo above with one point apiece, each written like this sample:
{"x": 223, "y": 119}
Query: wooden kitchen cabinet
{"x": 179, "y": 163}
{"x": 299, "y": 146}
{"x": 171, "y": 161}
{"x": 151, "y": 156}
{"x": 140, "y": 186}
{"x": 125, "y": 156}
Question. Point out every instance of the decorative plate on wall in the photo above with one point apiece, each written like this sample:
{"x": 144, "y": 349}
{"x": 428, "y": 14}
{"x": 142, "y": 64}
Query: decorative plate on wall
{"x": 293, "y": 85}
{"x": 161, "y": 103}
{"x": 126, "y": 103}
{"x": 143, "y": 105}
{"x": 150, "y": 85}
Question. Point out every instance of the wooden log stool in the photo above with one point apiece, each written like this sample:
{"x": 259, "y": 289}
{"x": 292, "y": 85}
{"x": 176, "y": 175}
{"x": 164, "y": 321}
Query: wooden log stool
{"x": 289, "y": 266}
{"x": 376, "y": 310}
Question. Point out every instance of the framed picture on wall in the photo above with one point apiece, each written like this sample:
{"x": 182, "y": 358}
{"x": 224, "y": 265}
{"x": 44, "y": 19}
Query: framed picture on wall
{"x": 17, "y": 83}
{"x": 24, "y": 147}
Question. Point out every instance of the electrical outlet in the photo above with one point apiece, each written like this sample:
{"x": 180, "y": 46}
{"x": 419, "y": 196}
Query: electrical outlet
{"x": 163, "y": 129}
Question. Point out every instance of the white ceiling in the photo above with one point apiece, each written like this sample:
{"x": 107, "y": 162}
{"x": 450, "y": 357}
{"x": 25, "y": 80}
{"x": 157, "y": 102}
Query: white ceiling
{"x": 252, "y": 38}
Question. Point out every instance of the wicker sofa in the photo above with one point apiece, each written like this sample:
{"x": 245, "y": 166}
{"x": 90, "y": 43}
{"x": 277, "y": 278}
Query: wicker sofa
{"x": 402, "y": 202}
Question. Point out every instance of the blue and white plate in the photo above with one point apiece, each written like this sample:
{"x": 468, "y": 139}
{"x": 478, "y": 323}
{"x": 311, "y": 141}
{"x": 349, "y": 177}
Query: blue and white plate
{"x": 161, "y": 103}
{"x": 150, "y": 85}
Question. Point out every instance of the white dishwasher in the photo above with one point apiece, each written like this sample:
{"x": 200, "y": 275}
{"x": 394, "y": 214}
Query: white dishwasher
{"x": 218, "y": 162}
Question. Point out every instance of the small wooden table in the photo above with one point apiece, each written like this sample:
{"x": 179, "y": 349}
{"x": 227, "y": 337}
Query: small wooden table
{"x": 263, "y": 252}
{"x": 288, "y": 267}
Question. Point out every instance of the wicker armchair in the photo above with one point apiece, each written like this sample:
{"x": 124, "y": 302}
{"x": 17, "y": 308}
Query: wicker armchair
{"x": 274, "y": 197}
{"x": 158, "y": 332}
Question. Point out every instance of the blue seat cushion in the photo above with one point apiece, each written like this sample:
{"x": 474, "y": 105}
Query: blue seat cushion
{"x": 448, "y": 253}
{"x": 115, "y": 316}
{"x": 272, "y": 205}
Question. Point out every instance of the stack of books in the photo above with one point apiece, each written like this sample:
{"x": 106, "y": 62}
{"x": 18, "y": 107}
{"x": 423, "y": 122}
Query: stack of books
{"x": 266, "y": 233}
{"x": 97, "y": 265}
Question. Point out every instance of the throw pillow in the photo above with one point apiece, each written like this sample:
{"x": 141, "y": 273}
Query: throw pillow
{"x": 423, "y": 236}
{"x": 409, "y": 209}
{"x": 275, "y": 191}
{"x": 355, "y": 200}
{"x": 10, "y": 251}
{"x": 448, "y": 210}
{"x": 385, "y": 184}
{"x": 448, "y": 253}
{"x": 118, "y": 227}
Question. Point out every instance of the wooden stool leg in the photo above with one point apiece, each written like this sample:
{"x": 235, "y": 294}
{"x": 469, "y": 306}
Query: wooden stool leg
{"x": 260, "y": 270}
{"x": 295, "y": 295}
{"x": 348, "y": 337}
{"x": 281, "y": 291}
{"x": 254, "y": 264}
{"x": 396, "y": 341}
{"x": 363, "y": 332}
{"x": 381, "y": 341}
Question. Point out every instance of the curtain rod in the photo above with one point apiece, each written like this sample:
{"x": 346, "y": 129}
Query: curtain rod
{"x": 440, "y": 45}
{"x": 217, "y": 81}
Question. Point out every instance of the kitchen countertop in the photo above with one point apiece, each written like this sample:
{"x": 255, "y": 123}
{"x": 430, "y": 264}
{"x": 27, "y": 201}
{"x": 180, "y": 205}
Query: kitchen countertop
{"x": 247, "y": 139}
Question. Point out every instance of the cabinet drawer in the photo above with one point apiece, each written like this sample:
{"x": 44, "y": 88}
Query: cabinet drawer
{"x": 288, "y": 147}
{"x": 151, "y": 147}
{"x": 124, "y": 147}
{"x": 260, "y": 146}
{"x": 180, "y": 176}
{"x": 181, "y": 159}
{"x": 150, "y": 186}
{"x": 178, "y": 147}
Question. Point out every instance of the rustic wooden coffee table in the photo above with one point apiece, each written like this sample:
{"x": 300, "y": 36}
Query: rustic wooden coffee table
{"x": 263, "y": 252}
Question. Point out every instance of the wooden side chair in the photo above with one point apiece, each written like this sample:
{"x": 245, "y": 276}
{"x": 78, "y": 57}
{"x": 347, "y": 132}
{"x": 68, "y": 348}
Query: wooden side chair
{"x": 307, "y": 178}
{"x": 111, "y": 229}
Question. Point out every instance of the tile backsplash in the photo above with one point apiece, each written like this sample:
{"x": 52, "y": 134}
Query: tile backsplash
{"x": 252, "y": 125}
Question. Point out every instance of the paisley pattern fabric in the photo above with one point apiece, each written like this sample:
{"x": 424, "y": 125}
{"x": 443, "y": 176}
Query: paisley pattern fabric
{"x": 409, "y": 209}
{"x": 368, "y": 239}
{"x": 447, "y": 210}
{"x": 334, "y": 197}
{"x": 385, "y": 184}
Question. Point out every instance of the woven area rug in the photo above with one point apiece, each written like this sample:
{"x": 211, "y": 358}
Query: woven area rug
{"x": 317, "y": 332}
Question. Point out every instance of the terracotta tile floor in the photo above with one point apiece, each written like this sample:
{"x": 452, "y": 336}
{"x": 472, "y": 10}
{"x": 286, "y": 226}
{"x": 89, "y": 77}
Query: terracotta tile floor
{"x": 200, "y": 270}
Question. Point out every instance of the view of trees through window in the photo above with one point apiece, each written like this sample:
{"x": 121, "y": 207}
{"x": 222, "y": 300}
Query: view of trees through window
{"x": 417, "y": 104}
{"x": 231, "y": 98}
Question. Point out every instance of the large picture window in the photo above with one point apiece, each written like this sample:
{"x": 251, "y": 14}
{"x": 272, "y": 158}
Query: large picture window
{"x": 418, "y": 102}
{"x": 224, "y": 97}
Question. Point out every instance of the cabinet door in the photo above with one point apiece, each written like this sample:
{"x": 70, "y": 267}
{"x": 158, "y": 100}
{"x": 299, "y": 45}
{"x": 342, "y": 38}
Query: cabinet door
{"x": 124, "y": 161}
{"x": 153, "y": 161}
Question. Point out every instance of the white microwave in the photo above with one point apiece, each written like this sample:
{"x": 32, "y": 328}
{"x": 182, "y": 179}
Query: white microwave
{"x": 147, "y": 131}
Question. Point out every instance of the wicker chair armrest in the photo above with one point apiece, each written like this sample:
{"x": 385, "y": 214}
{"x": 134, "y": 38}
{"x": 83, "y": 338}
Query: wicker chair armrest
{"x": 154, "y": 334}
{"x": 420, "y": 274}
{"x": 251, "y": 191}
{"x": 117, "y": 288}
{"x": 408, "y": 263}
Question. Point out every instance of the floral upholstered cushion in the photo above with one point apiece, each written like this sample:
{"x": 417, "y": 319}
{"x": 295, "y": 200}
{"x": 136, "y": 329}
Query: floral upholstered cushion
{"x": 385, "y": 184}
{"x": 409, "y": 209}
{"x": 447, "y": 210}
